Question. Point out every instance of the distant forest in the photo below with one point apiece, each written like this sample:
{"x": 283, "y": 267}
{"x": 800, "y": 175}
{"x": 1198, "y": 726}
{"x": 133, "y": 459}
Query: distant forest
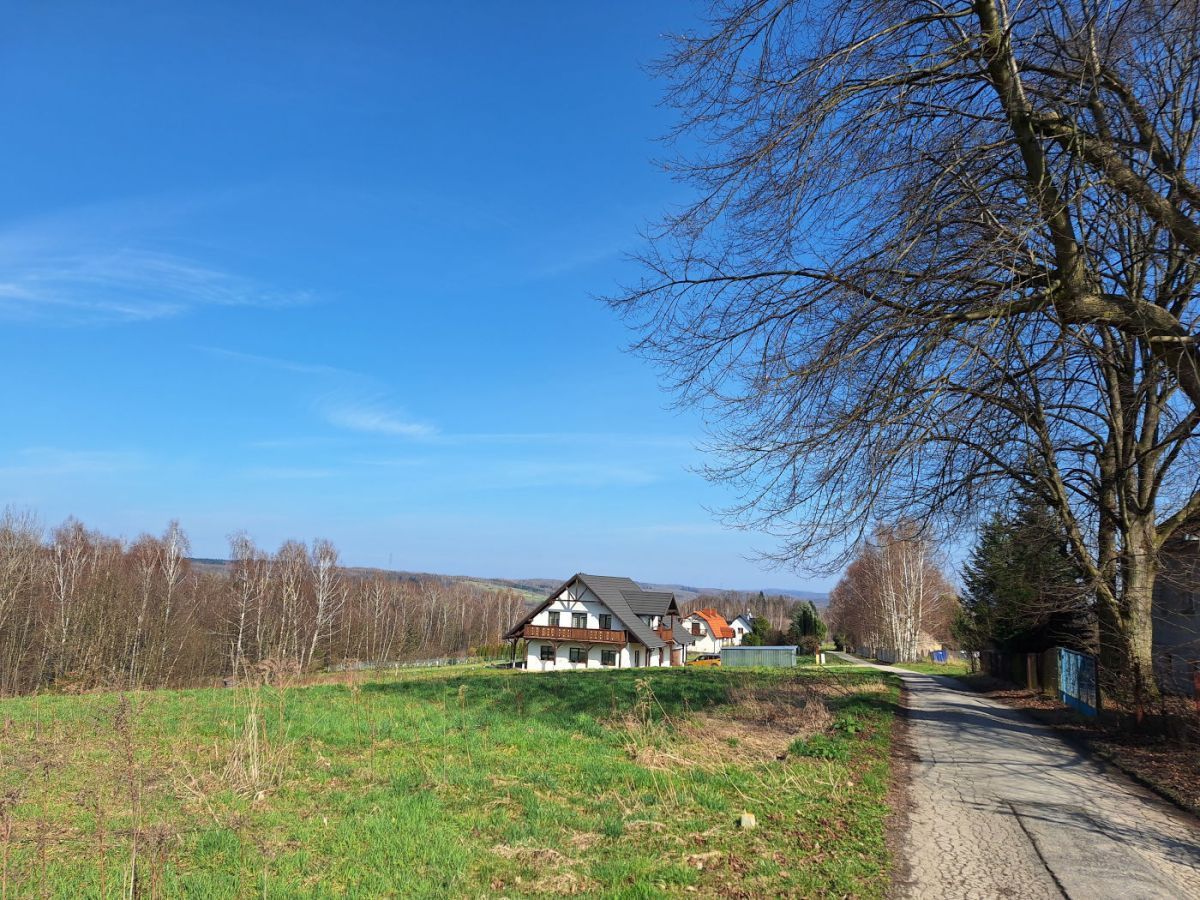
{"x": 81, "y": 610}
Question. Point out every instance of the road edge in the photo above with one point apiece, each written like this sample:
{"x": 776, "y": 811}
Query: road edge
{"x": 896, "y": 824}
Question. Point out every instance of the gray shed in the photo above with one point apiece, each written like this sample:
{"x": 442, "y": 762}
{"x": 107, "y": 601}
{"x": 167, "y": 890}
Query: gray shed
{"x": 758, "y": 656}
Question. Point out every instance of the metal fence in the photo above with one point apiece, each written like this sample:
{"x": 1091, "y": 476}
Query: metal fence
{"x": 1071, "y": 677}
{"x": 365, "y": 665}
{"x": 1078, "y": 686}
{"x": 776, "y": 657}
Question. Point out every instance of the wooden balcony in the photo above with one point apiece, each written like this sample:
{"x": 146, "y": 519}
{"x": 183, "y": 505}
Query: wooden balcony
{"x": 578, "y": 635}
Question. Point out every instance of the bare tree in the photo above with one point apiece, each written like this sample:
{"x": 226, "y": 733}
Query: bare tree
{"x": 893, "y": 594}
{"x": 328, "y": 596}
{"x": 82, "y": 610}
{"x": 931, "y": 241}
{"x": 70, "y": 554}
{"x": 20, "y": 574}
{"x": 250, "y": 576}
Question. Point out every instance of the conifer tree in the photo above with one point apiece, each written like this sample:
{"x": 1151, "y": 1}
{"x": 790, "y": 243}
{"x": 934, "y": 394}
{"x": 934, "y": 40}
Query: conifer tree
{"x": 1023, "y": 590}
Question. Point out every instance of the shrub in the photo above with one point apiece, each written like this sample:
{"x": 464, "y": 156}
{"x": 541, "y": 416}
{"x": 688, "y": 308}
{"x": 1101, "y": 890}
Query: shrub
{"x": 821, "y": 746}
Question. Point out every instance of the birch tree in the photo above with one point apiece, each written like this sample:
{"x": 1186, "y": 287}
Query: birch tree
{"x": 893, "y": 593}
{"x": 328, "y": 596}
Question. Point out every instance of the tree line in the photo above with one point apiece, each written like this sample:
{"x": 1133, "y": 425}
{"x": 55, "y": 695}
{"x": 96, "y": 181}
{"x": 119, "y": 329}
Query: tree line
{"x": 80, "y": 609}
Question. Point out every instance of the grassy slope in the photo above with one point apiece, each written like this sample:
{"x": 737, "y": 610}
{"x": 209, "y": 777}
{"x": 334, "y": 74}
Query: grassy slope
{"x": 438, "y": 784}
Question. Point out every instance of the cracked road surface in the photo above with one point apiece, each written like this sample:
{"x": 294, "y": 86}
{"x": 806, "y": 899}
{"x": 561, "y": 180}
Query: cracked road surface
{"x": 999, "y": 806}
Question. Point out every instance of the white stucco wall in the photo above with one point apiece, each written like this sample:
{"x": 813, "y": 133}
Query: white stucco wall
{"x": 562, "y": 657}
{"x": 704, "y": 642}
{"x": 745, "y": 626}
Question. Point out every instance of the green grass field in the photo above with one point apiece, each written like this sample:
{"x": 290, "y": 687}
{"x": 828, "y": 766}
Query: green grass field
{"x": 954, "y": 667}
{"x": 432, "y": 784}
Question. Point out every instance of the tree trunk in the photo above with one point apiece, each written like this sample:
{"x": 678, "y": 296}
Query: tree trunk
{"x": 1127, "y": 628}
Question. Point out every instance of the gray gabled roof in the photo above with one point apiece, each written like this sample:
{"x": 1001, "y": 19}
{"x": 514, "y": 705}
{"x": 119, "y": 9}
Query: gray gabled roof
{"x": 682, "y": 636}
{"x": 627, "y": 601}
{"x": 611, "y": 590}
{"x": 650, "y": 603}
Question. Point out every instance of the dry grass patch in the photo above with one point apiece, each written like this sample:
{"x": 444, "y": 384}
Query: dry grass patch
{"x": 532, "y": 856}
{"x": 552, "y": 867}
{"x": 759, "y": 724}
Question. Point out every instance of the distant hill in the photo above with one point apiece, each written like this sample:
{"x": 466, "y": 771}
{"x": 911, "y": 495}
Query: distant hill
{"x": 536, "y": 589}
{"x": 684, "y": 592}
{"x": 540, "y": 587}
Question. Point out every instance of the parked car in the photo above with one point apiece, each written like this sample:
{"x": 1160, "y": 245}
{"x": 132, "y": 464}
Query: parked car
{"x": 706, "y": 659}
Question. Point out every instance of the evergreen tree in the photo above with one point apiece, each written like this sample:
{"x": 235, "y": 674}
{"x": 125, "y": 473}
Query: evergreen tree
{"x": 806, "y": 623}
{"x": 1023, "y": 589}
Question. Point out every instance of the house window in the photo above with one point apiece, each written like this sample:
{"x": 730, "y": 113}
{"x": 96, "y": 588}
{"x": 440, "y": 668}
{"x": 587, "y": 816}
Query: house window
{"x": 637, "y": 657}
{"x": 608, "y": 657}
{"x": 554, "y": 617}
{"x": 578, "y": 654}
{"x": 547, "y": 653}
{"x": 579, "y": 620}
{"x": 606, "y": 622}
{"x": 696, "y": 629}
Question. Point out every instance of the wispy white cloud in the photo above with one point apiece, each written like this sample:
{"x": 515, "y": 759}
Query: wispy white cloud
{"x": 107, "y": 263}
{"x": 284, "y": 365}
{"x": 123, "y": 285}
{"x": 580, "y": 438}
{"x": 578, "y": 260}
{"x": 33, "y": 462}
{"x": 677, "y": 528}
{"x": 301, "y": 442}
{"x": 288, "y": 473}
{"x": 371, "y": 416}
{"x": 548, "y": 473}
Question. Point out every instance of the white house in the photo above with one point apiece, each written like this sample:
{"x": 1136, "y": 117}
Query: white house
{"x": 742, "y": 625}
{"x": 709, "y": 631}
{"x": 598, "y": 621}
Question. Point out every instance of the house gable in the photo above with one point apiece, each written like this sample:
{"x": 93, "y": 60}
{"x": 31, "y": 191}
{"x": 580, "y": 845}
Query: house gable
{"x": 595, "y": 595}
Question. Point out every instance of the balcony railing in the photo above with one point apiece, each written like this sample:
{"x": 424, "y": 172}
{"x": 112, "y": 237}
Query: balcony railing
{"x": 582, "y": 635}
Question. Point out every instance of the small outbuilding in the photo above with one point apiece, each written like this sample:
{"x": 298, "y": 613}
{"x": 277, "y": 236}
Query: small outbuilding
{"x": 777, "y": 657}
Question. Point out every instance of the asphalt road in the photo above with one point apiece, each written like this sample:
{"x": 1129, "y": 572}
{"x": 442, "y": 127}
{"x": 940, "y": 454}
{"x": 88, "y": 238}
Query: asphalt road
{"x": 1002, "y": 807}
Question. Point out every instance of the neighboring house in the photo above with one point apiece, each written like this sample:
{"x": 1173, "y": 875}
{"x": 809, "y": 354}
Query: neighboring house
{"x": 709, "y": 631}
{"x": 1177, "y": 611}
{"x": 595, "y": 621}
{"x": 742, "y": 625}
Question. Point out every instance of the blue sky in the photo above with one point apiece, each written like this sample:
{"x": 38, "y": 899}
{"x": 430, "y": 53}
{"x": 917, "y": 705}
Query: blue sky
{"x": 330, "y": 269}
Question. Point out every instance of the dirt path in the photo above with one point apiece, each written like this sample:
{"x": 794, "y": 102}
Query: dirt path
{"x": 1002, "y": 807}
